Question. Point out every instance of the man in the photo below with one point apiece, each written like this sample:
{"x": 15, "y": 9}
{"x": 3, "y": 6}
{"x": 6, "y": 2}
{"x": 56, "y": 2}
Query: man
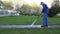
{"x": 45, "y": 15}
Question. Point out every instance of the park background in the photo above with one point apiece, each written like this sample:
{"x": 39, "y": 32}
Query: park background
{"x": 29, "y": 5}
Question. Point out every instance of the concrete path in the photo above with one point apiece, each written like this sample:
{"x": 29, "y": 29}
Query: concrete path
{"x": 29, "y": 26}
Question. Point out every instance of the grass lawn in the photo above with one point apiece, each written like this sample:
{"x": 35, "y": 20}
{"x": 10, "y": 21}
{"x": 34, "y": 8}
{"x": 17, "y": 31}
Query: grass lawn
{"x": 26, "y": 20}
{"x": 30, "y": 31}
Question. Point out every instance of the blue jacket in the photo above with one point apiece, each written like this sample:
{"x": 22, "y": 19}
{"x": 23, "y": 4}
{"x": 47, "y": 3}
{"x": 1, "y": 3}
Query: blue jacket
{"x": 45, "y": 8}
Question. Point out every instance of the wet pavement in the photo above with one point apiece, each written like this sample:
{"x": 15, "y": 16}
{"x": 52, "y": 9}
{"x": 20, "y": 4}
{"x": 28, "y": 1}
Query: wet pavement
{"x": 28, "y": 26}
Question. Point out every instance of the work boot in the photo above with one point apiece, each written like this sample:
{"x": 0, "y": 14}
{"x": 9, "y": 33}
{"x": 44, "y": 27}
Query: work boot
{"x": 45, "y": 26}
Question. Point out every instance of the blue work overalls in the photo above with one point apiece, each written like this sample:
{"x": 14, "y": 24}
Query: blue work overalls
{"x": 45, "y": 15}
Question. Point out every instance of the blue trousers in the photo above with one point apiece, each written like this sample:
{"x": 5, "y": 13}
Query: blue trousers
{"x": 45, "y": 19}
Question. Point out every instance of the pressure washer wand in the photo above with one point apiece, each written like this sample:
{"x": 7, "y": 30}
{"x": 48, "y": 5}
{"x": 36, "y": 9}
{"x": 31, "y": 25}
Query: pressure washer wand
{"x": 34, "y": 21}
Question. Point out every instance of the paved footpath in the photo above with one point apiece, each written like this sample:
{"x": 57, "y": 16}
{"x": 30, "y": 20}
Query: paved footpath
{"x": 28, "y": 26}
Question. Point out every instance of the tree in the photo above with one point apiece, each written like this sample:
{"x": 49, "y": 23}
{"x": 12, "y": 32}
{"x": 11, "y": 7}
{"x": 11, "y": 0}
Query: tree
{"x": 28, "y": 10}
{"x": 1, "y": 4}
{"x": 54, "y": 9}
{"x": 7, "y": 5}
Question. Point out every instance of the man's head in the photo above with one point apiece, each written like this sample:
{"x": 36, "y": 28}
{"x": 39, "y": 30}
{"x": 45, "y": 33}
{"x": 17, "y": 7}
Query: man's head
{"x": 42, "y": 3}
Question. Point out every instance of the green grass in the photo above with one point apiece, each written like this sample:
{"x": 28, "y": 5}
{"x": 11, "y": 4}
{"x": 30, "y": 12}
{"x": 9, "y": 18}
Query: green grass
{"x": 27, "y": 20}
{"x": 17, "y": 20}
{"x": 54, "y": 20}
{"x": 30, "y": 31}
